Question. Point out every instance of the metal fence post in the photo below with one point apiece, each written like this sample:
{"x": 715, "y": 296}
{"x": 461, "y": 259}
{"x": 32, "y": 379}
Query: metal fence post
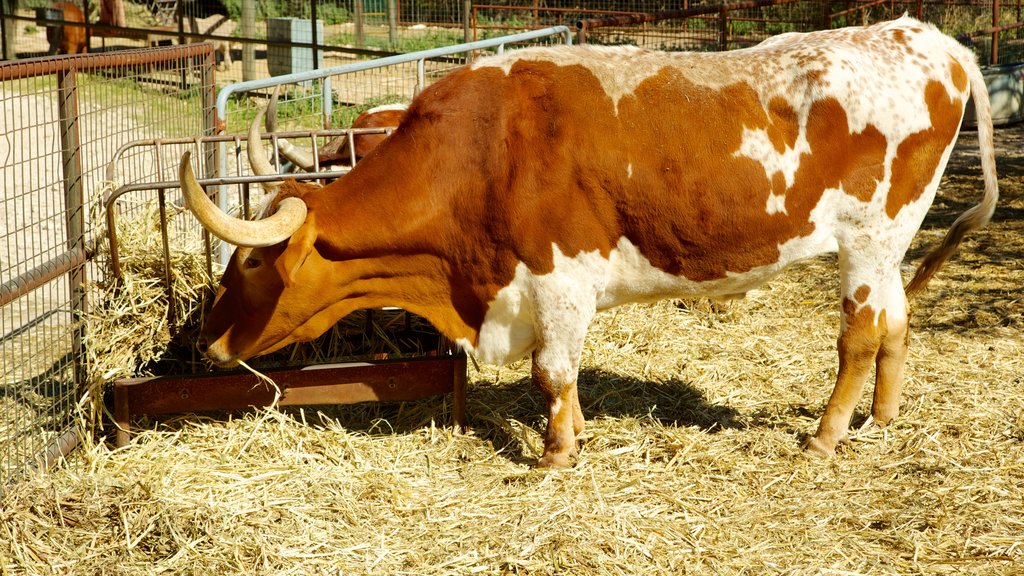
{"x": 358, "y": 15}
{"x": 8, "y": 29}
{"x": 723, "y": 29}
{"x": 393, "y": 23}
{"x": 74, "y": 206}
{"x": 248, "y": 31}
{"x": 312, "y": 24}
{"x": 994, "y": 57}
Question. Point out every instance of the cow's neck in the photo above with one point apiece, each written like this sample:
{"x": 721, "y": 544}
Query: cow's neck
{"x": 415, "y": 283}
{"x": 384, "y": 232}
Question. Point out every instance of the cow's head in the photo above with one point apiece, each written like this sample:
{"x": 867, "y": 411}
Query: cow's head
{"x": 272, "y": 291}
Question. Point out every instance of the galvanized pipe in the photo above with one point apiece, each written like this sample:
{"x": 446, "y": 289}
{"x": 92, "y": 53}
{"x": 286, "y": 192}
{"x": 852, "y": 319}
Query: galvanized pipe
{"x": 32, "y": 67}
{"x": 310, "y": 75}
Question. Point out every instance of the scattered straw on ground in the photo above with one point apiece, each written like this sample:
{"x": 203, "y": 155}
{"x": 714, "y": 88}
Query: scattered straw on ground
{"x": 690, "y": 463}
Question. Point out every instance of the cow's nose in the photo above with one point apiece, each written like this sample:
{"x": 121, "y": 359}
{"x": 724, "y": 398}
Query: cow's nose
{"x": 203, "y": 346}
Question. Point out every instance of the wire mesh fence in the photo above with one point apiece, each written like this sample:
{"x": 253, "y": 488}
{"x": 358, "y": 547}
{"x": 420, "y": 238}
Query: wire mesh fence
{"x": 79, "y": 128}
{"x": 273, "y": 37}
{"x": 715, "y": 25}
{"x": 706, "y": 27}
{"x": 63, "y": 119}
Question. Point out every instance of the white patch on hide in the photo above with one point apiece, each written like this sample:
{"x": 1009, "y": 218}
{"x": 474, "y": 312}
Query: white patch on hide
{"x": 776, "y": 204}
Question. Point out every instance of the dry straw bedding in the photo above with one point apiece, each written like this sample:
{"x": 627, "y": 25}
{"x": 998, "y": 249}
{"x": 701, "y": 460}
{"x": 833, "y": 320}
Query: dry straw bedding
{"x": 690, "y": 462}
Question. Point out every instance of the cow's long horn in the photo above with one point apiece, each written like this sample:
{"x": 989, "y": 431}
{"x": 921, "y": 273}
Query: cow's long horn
{"x": 280, "y": 226}
{"x": 294, "y": 154}
{"x": 258, "y": 160}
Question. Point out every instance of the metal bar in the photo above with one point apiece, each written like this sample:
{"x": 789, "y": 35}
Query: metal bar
{"x": 358, "y": 16}
{"x": 723, "y": 29}
{"x": 60, "y": 447}
{"x": 3, "y": 30}
{"x": 64, "y": 263}
{"x": 327, "y": 102}
{"x": 165, "y": 241}
{"x": 349, "y": 383}
{"x": 313, "y": 35}
{"x": 1003, "y": 28}
{"x": 392, "y": 7}
{"x": 265, "y": 83}
{"x": 30, "y": 67}
{"x": 994, "y": 56}
{"x": 553, "y": 9}
{"x": 74, "y": 205}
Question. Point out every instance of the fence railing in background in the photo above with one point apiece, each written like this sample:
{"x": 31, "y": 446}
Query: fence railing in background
{"x": 712, "y": 29}
{"x": 276, "y": 38}
{"x": 993, "y": 28}
{"x": 63, "y": 118}
{"x": 251, "y": 37}
{"x": 420, "y": 58}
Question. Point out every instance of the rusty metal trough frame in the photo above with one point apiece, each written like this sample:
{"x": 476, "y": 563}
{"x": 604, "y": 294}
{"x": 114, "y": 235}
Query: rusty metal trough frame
{"x": 342, "y": 383}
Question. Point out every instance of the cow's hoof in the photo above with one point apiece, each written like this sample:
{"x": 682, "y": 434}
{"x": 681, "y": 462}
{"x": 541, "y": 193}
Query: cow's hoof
{"x": 554, "y": 461}
{"x": 815, "y": 447}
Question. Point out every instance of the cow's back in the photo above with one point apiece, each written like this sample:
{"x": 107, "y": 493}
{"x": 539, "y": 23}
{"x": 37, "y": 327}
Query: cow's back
{"x": 716, "y": 166}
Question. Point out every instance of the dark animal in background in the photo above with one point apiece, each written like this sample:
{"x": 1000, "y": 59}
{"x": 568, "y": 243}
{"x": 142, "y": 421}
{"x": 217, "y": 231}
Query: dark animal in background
{"x": 67, "y": 39}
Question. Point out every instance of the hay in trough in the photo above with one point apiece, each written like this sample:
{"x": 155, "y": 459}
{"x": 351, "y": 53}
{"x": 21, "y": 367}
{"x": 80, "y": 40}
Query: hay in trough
{"x": 690, "y": 463}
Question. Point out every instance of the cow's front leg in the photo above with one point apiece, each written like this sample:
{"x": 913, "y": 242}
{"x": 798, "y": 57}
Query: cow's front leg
{"x": 565, "y": 417}
{"x": 563, "y": 311}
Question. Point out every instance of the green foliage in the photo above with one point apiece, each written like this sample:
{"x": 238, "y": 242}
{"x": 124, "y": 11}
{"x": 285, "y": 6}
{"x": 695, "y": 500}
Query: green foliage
{"x": 330, "y": 13}
{"x": 434, "y": 38}
{"x": 264, "y": 9}
{"x": 333, "y": 13}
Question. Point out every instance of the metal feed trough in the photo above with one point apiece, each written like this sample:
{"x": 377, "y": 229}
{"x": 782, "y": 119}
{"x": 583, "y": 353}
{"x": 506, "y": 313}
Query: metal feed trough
{"x": 412, "y": 377}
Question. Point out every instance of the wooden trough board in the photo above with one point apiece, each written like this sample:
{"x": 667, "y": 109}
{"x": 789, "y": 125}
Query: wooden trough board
{"x": 349, "y": 383}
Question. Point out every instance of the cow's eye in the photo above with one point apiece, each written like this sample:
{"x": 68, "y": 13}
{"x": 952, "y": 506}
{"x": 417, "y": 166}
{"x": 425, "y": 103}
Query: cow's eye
{"x": 251, "y": 262}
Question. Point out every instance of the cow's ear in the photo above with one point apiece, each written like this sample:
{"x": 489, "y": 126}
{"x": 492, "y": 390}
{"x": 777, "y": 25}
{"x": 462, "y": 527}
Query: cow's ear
{"x": 294, "y": 255}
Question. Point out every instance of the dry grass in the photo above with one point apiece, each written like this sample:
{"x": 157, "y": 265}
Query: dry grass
{"x": 690, "y": 462}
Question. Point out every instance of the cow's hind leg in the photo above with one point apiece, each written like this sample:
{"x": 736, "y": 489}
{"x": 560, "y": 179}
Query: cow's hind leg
{"x": 892, "y": 358}
{"x": 873, "y": 334}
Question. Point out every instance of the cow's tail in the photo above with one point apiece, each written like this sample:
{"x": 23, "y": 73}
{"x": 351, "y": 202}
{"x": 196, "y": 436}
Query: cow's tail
{"x": 976, "y": 216}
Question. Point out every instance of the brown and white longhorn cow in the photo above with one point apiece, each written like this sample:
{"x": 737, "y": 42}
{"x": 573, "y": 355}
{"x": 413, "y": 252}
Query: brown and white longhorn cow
{"x": 526, "y": 192}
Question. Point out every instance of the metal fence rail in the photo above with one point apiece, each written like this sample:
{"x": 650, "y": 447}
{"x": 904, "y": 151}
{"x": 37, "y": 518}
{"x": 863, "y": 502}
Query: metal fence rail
{"x": 995, "y": 30}
{"x": 62, "y": 119}
{"x": 710, "y": 27}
